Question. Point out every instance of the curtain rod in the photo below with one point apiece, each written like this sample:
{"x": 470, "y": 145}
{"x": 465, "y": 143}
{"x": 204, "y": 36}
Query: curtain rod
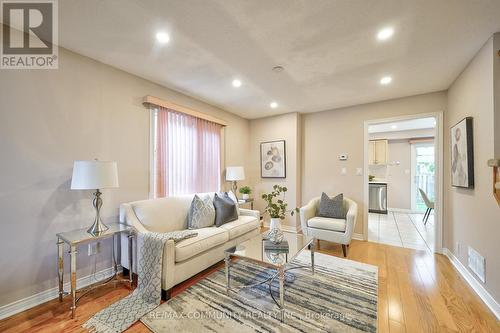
{"x": 151, "y": 100}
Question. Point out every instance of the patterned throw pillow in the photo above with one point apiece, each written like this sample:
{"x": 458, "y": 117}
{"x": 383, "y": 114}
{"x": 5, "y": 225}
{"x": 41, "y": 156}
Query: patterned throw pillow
{"x": 225, "y": 209}
{"x": 201, "y": 213}
{"x": 333, "y": 208}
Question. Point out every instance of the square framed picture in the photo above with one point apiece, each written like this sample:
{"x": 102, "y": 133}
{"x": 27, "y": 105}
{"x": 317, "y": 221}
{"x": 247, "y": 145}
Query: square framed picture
{"x": 462, "y": 154}
{"x": 273, "y": 159}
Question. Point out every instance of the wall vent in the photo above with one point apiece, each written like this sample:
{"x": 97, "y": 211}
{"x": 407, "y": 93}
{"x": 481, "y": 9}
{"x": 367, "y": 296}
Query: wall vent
{"x": 477, "y": 264}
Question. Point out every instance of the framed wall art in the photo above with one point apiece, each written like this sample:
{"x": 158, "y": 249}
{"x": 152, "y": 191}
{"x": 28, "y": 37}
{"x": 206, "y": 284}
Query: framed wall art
{"x": 462, "y": 154}
{"x": 273, "y": 159}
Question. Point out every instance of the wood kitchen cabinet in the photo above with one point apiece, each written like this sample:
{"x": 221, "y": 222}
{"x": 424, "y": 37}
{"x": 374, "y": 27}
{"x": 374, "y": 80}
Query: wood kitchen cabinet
{"x": 377, "y": 152}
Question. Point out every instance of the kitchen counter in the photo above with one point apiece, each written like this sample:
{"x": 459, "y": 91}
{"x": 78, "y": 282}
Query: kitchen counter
{"x": 377, "y": 181}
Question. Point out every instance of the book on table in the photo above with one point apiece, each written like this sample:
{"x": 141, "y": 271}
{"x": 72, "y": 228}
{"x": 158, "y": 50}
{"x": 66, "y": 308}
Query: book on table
{"x": 276, "y": 247}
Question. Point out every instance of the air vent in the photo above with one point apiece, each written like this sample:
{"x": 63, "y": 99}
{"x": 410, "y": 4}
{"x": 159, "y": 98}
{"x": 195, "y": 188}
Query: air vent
{"x": 477, "y": 264}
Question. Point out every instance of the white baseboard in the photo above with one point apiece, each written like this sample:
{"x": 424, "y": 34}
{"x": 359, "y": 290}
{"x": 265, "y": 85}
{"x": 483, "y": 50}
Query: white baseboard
{"x": 478, "y": 287}
{"x": 403, "y": 210}
{"x": 357, "y": 236}
{"x": 50, "y": 294}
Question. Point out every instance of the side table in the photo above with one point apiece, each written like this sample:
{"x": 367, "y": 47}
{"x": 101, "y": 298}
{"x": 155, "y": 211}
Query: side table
{"x": 79, "y": 237}
{"x": 245, "y": 201}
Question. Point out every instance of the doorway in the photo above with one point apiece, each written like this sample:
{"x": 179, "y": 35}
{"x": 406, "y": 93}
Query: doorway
{"x": 403, "y": 166}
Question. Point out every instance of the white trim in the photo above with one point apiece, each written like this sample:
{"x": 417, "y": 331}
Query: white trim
{"x": 438, "y": 215}
{"x": 50, "y": 294}
{"x": 152, "y": 155}
{"x": 473, "y": 283}
{"x": 357, "y": 236}
{"x": 403, "y": 210}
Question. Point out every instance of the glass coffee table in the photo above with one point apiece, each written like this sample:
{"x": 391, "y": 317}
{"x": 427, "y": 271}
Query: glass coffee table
{"x": 254, "y": 250}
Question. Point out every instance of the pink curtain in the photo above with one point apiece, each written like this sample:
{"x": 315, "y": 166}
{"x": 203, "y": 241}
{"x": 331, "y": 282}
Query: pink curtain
{"x": 187, "y": 154}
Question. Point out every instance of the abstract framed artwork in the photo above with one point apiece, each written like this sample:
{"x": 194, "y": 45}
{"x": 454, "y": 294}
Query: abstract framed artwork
{"x": 462, "y": 154}
{"x": 273, "y": 159}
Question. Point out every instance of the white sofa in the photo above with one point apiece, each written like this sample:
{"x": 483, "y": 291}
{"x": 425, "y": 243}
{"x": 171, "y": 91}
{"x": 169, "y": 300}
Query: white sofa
{"x": 190, "y": 256}
{"x": 333, "y": 230}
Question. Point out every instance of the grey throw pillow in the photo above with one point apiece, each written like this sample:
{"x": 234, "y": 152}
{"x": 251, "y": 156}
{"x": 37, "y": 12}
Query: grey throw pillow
{"x": 201, "y": 213}
{"x": 333, "y": 208}
{"x": 225, "y": 209}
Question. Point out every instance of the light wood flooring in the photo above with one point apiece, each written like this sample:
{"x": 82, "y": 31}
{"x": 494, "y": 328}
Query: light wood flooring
{"x": 418, "y": 292}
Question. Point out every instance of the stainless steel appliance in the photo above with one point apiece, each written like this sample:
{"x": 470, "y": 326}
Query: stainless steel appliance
{"x": 377, "y": 198}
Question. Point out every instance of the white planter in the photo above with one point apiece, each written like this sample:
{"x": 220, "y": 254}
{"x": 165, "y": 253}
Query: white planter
{"x": 275, "y": 224}
{"x": 245, "y": 196}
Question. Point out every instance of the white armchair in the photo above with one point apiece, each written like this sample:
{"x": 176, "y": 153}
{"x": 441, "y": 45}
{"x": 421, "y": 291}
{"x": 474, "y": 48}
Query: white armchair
{"x": 329, "y": 229}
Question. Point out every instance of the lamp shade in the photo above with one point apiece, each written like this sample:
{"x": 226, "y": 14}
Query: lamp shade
{"x": 93, "y": 175}
{"x": 235, "y": 173}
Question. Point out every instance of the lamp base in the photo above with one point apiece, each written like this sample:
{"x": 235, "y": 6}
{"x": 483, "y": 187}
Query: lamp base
{"x": 98, "y": 227}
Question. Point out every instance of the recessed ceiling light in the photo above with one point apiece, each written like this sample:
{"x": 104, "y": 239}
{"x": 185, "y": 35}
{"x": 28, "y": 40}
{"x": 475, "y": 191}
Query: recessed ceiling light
{"x": 162, "y": 37}
{"x": 385, "y": 80}
{"x": 385, "y": 33}
{"x": 236, "y": 83}
{"x": 273, "y": 105}
{"x": 394, "y": 126}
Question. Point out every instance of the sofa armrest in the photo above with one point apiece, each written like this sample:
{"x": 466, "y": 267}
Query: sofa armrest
{"x": 351, "y": 217}
{"x": 307, "y": 212}
{"x": 127, "y": 216}
{"x": 249, "y": 212}
{"x": 168, "y": 264}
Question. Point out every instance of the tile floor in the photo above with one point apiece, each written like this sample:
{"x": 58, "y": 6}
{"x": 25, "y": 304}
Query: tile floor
{"x": 402, "y": 229}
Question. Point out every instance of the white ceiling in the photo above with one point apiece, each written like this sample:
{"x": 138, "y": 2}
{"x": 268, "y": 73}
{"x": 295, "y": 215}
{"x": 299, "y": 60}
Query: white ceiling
{"x": 404, "y": 125}
{"x": 328, "y": 47}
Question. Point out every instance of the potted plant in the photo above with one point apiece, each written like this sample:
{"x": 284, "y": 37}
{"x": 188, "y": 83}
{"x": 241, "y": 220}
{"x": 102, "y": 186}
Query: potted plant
{"x": 245, "y": 191}
{"x": 277, "y": 210}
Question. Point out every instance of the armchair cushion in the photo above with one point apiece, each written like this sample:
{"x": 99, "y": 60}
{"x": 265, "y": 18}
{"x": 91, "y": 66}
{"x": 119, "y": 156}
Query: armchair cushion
{"x": 333, "y": 208}
{"x": 327, "y": 223}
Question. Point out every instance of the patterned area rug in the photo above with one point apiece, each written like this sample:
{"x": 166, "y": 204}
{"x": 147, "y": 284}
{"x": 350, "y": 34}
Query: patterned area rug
{"x": 340, "y": 297}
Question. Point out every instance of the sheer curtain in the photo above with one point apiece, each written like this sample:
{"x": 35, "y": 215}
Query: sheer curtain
{"x": 187, "y": 154}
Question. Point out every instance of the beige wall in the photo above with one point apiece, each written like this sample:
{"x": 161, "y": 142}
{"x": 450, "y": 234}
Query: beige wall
{"x": 330, "y": 133}
{"x": 284, "y": 127}
{"x": 472, "y": 216}
{"x": 399, "y": 175}
{"x": 48, "y": 119}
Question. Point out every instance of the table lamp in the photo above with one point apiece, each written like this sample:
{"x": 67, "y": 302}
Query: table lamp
{"x": 95, "y": 175}
{"x": 233, "y": 174}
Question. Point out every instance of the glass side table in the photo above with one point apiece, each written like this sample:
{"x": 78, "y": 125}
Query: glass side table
{"x": 79, "y": 237}
{"x": 246, "y": 201}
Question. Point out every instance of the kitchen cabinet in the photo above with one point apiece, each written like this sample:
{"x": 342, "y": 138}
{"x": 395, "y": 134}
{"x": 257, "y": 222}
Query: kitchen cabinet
{"x": 377, "y": 152}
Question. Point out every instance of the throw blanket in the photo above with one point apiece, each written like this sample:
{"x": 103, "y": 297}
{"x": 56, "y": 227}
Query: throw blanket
{"x": 119, "y": 316}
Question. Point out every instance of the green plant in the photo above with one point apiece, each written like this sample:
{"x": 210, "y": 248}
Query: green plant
{"x": 245, "y": 190}
{"x": 278, "y": 209}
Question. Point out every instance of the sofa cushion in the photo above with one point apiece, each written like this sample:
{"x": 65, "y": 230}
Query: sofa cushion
{"x": 201, "y": 213}
{"x": 225, "y": 209}
{"x": 207, "y": 238}
{"x": 327, "y": 223}
{"x": 241, "y": 226}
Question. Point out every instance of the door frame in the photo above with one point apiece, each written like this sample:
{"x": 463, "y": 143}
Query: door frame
{"x": 438, "y": 157}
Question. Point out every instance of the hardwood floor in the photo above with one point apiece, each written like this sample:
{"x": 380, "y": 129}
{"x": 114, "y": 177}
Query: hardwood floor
{"x": 418, "y": 292}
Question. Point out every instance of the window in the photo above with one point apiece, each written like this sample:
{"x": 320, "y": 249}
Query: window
{"x": 423, "y": 172}
{"x": 186, "y": 154}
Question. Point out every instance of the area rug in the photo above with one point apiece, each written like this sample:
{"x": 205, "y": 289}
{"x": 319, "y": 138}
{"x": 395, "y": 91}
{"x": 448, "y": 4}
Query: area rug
{"x": 340, "y": 297}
